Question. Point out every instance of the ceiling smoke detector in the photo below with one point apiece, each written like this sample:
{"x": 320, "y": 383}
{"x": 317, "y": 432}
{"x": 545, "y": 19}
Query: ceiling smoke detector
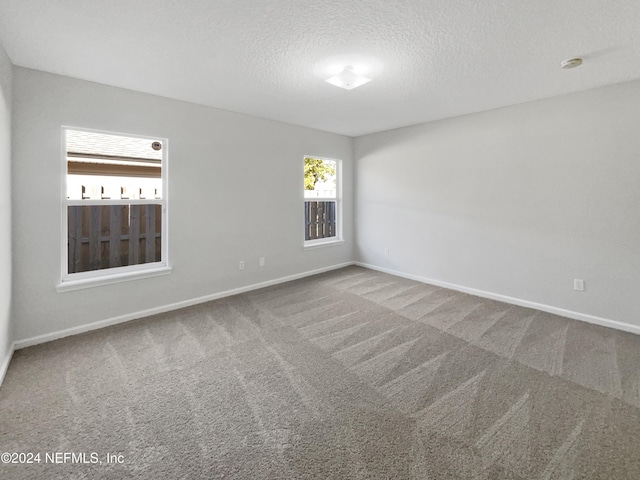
{"x": 571, "y": 63}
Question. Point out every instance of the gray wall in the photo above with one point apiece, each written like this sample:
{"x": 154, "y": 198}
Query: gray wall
{"x": 5, "y": 208}
{"x": 235, "y": 193}
{"x": 515, "y": 202}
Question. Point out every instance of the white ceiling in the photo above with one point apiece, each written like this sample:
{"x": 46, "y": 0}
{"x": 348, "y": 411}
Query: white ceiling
{"x": 441, "y": 58}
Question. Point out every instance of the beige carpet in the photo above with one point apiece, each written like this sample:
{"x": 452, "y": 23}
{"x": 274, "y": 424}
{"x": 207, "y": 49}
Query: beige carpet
{"x": 351, "y": 374}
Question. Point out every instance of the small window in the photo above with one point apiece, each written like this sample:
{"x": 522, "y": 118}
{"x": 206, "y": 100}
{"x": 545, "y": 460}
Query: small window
{"x": 115, "y": 204}
{"x": 321, "y": 201}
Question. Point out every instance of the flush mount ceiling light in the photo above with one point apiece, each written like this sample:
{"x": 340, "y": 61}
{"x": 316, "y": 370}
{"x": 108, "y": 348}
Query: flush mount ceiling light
{"x": 348, "y": 71}
{"x": 347, "y": 79}
{"x": 571, "y": 63}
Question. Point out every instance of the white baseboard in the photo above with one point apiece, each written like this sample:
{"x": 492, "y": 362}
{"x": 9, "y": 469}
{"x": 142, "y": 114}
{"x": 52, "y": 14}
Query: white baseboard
{"x": 5, "y": 362}
{"x": 47, "y": 337}
{"x": 18, "y": 344}
{"x": 604, "y": 322}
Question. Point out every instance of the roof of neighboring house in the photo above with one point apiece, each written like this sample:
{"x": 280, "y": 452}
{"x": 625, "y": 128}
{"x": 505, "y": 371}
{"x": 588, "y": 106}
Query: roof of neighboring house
{"x": 92, "y": 143}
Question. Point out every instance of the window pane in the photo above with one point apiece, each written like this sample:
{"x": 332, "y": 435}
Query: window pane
{"x": 320, "y": 220}
{"x": 319, "y": 178}
{"x": 104, "y": 166}
{"x": 107, "y": 236}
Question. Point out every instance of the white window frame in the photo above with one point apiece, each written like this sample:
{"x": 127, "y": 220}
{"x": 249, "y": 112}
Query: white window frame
{"x": 329, "y": 241}
{"x": 93, "y": 278}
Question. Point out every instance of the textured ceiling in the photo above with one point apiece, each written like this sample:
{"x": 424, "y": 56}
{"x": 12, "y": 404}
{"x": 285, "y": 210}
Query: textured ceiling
{"x": 441, "y": 58}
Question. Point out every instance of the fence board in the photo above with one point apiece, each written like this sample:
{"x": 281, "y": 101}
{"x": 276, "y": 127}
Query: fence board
{"x": 332, "y": 219}
{"x": 313, "y": 213}
{"x": 322, "y": 219}
{"x": 134, "y": 234}
{"x": 75, "y": 238}
{"x": 150, "y": 241}
{"x": 95, "y": 246}
{"x": 306, "y": 220}
{"x": 326, "y": 225}
{"x": 114, "y": 236}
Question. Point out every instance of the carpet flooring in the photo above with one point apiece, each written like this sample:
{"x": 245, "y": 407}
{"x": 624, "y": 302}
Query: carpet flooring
{"x": 352, "y": 374}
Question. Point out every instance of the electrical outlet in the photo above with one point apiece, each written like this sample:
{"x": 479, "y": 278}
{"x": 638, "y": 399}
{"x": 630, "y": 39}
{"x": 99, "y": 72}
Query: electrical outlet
{"x": 241, "y": 265}
{"x": 386, "y": 251}
{"x": 262, "y": 262}
{"x": 578, "y": 285}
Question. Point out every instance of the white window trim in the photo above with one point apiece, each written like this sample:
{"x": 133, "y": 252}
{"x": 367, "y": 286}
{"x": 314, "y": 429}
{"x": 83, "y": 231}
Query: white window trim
{"x": 75, "y": 281}
{"x": 71, "y": 285}
{"x": 330, "y": 241}
{"x": 321, "y": 242}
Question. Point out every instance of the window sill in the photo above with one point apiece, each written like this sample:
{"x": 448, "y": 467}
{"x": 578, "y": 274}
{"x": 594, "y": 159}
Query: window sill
{"x": 323, "y": 243}
{"x": 71, "y": 285}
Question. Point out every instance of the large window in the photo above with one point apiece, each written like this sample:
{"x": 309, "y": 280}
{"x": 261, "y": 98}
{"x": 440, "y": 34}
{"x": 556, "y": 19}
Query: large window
{"x": 322, "y": 207}
{"x": 115, "y": 212}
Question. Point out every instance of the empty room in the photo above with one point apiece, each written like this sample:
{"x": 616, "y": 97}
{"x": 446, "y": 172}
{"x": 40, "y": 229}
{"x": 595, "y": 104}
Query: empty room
{"x": 278, "y": 239}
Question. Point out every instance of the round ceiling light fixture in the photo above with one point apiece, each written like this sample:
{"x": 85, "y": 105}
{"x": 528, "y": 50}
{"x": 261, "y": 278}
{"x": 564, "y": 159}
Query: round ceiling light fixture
{"x": 348, "y": 71}
{"x": 571, "y": 63}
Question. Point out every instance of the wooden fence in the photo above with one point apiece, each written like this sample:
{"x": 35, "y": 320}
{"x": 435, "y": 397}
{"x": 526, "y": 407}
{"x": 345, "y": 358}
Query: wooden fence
{"x": 106, "y": 236}
{"x": 320, "y": 219}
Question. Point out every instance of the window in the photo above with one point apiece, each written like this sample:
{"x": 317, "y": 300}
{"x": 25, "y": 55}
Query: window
{"x": 115, "y": 211}
{"x": 322, "y": 206}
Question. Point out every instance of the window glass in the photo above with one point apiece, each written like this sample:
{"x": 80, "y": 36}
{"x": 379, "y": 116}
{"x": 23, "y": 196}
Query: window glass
{"x": 115, "y": 207}
{"x": 321, "y": 199}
